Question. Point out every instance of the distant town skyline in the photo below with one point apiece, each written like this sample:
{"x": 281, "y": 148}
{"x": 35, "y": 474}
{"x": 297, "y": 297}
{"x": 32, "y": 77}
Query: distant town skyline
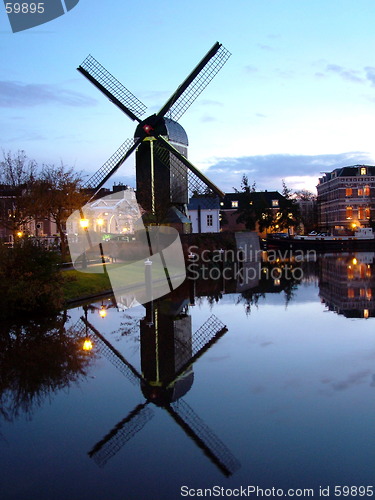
{"x": 295, "y": 99}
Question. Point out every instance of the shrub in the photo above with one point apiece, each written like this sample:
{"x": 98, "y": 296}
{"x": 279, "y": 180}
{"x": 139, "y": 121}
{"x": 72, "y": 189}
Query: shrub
{"x": 30, "y": 281}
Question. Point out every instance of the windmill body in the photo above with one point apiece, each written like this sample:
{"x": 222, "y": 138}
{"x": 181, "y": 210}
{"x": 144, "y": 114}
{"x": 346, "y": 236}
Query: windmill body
{"x": 162, "y": 180}
{"x": 165, "y": 177}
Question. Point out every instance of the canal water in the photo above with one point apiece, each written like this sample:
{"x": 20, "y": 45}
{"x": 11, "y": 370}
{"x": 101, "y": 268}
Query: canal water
{"x": 225, "y": 384}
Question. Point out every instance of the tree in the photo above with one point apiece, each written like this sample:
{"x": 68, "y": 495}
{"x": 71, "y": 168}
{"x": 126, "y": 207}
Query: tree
{"x": 17, "y": 176}
{"x": 58, "y": 193}
{"x": 288, "y": 214}
{"x": 304, "y": 195}
{"x": 253, "y": 207}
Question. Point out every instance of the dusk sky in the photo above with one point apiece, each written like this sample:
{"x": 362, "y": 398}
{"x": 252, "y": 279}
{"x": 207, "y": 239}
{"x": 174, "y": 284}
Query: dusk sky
{"x": 297, "y": 96}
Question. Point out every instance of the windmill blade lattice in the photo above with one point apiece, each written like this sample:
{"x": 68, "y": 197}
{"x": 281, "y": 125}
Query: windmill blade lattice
{"x": 112, "y": 88}
{"x": 184, "y": 173}
{"x": 203, "y": 436}
{"x": 112, "y": 164}
{"x": 196, "y": 82}
{"x": 204, "y": 338}
{"x": 113, "y": 355}
{"x": 120, "y": 434}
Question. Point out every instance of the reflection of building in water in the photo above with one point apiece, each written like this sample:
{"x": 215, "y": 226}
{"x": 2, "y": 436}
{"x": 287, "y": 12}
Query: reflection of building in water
{"x": 347, "y": 284}
{"x": 166, "y": 348}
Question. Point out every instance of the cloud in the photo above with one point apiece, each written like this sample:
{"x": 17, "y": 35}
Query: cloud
{"x": 370, "y": 74}
{"x": 268, "y": 170}
{"x": 251, "y": 69}
{"x": 352, "y": 380}
{"x": 210, "y": 102}
{"x": 19, "y": 95}
{"x": 346, "y": 74}
{"x": 264, "y": 47}
{"x": 208, "y": 118}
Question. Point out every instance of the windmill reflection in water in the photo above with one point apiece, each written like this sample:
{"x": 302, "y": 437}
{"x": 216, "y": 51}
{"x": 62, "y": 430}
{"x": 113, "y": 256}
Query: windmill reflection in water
{"x": 168, "y": 351}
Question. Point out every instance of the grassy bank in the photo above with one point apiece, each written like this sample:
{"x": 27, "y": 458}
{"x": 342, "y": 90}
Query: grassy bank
{"x": 77, "y": 284}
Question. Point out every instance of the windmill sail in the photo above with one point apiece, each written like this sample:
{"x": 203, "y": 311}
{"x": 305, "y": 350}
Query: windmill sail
{"x": 203, "y": 437}
{"x": 112, "y": 164}
{"x": 196, "y": 82}
{"x": 198, "y": 183}
{"x": 204, "y": 338}
{"x": 113, "y": 355}
{"x": 112, "y": 88}
{"x": 120, "y": 434}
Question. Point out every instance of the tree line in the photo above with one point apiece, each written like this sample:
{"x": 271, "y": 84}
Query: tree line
{"x": 255, "y": 212}
{"x": 29, "y": 192}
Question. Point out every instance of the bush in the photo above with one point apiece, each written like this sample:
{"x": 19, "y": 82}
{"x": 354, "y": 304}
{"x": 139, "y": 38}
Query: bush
{"x": 30, "y": 281}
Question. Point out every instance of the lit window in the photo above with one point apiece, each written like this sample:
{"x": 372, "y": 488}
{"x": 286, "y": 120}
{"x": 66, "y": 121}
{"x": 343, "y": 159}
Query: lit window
{"x": 367, "y": 212}
{"x": 234, "y": 204}
{"x": 360, "y": 192}
{"x": 361, "y": 213}
{"x": 351, "y": 293}
{"x": 210, "y": 220}
{"x": 366, "y": 191}
{"x": 363, "y": 171}
{"x": 349, "y": 212}
{"x": 275, "y": 203}
{"x": 348, "y": 191}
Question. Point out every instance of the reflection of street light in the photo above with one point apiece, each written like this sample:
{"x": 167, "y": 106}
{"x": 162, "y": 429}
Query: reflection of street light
{"x": 103, "y": 311}
{"x": 87, "y": 345}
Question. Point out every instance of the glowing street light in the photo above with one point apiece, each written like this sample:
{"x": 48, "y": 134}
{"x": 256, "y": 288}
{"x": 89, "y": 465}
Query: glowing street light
{"x": 84, "y": 223}
{"x": 20, "y": 234}
{"x": 87, "y": 345}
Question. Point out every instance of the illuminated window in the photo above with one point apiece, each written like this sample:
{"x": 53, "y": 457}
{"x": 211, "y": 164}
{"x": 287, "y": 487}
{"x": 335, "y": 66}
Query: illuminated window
{"x": 361, "y": 213}
{"x": 348, "y": 191}
{"x": 360, "y": 192}
{"x": 349, "y": 212}
{"x": 366, "y": 191}
{"x": 367, "y": 212}
{"x": 363, "y": 171}
{"x": 362, "y": 292}
{"x": 234, "y": 204}
{"x": 368, "y": 293}
{"x": 210, "y": 220}
{"x": 350, "y": 273}
{"x": 275, "y": 203}
{"x": 351, "y": 293}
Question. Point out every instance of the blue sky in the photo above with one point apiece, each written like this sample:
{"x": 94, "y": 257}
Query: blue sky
{"x": 297, "y": 96}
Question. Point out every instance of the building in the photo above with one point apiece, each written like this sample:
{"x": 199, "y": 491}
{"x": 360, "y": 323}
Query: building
{"x": 204, "y": 213}
{"x": 346, "y": 198}
{"x": 270, "y": 200}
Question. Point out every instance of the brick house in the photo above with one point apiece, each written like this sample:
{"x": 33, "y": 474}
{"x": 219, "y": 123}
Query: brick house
{"x": 346, "y": 198}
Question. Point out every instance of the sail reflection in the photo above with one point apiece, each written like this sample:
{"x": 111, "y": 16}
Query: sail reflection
{"x": 169, "y": 350}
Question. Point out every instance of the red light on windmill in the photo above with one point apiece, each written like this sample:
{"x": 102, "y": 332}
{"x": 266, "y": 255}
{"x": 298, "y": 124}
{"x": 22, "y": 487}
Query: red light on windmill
{"x": 148, "y": 129}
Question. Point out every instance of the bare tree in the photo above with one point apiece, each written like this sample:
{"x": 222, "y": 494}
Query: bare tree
{"x": 17, "y": 175}
{"x": 59, "y": 193}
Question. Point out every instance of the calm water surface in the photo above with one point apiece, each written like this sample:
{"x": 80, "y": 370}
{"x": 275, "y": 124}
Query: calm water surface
{"x": 272, "y": 386}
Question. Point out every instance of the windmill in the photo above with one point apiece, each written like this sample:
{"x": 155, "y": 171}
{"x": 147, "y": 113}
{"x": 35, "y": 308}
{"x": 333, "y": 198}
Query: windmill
{"x": 168, "y": 351}
{"x": 165, "y": 177}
